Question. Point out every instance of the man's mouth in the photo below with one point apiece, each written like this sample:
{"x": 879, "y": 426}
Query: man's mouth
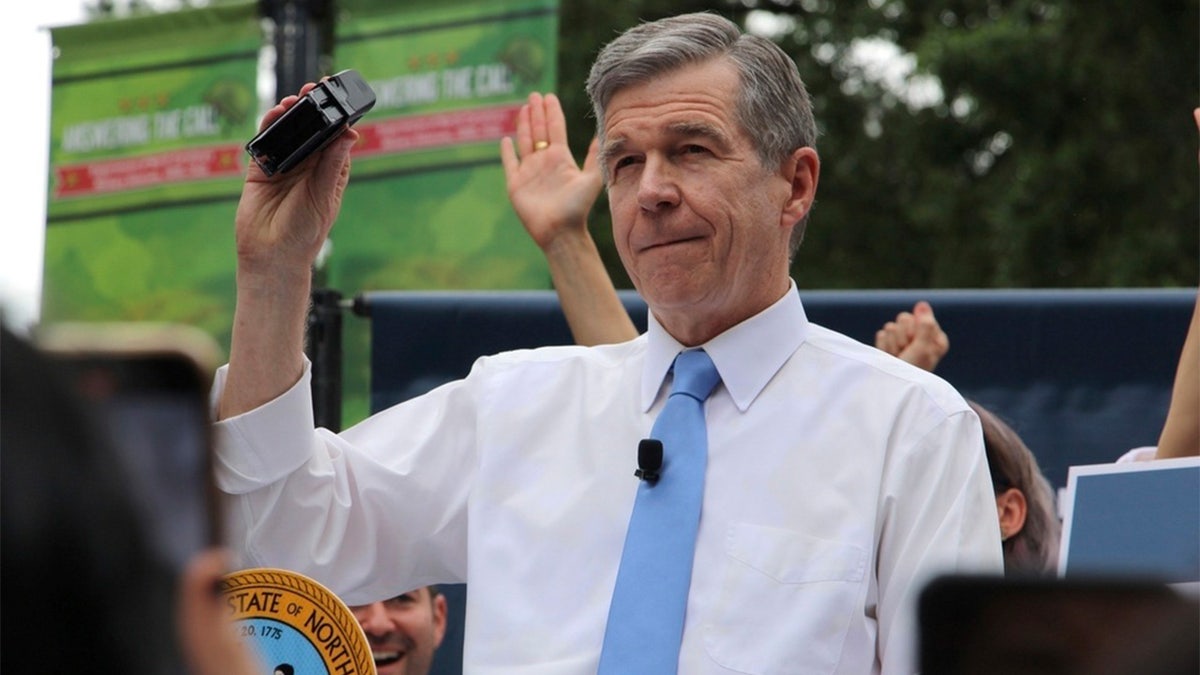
{"x": 671, "y": 242}
{"x": 386, "y": 658}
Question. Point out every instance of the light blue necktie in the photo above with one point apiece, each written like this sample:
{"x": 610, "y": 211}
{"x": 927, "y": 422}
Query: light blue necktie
{"x": 645, "y": 620}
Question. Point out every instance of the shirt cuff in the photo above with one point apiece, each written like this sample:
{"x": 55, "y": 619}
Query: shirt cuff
{"x": 263, "y": 445}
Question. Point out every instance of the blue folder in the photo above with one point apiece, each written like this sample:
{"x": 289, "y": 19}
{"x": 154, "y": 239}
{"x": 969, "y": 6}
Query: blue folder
{"x": 1133, "y": 519}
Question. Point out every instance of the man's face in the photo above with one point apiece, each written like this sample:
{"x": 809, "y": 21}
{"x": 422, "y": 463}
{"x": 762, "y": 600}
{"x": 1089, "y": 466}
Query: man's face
{"x": 404, "y": 631}
{"x": 700, "y": 224}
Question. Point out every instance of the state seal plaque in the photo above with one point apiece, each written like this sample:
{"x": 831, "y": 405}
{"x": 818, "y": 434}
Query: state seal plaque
{"x": 295, "y": 625}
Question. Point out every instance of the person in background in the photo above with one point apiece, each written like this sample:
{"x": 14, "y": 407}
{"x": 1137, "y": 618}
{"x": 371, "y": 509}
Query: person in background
{"x": 404, "y": 631}
{"x": 1180, "y": 435}
{"x": 1029, "y": 524}
{"x": 837, "y": 479}
{"x": 1181, "y": 432}
{"x": 915, "y": 337}
{"x": 552, "y": 197}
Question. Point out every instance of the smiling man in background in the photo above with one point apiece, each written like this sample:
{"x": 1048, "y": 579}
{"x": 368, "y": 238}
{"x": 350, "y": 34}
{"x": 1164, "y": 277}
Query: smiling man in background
{"x": 404, "y": 631}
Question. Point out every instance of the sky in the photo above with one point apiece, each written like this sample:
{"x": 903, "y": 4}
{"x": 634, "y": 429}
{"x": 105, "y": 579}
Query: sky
{"x": 25, "y": 44}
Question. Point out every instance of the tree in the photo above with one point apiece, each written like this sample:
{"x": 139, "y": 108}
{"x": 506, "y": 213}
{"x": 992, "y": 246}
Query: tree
{"x": 1054, "y": 147}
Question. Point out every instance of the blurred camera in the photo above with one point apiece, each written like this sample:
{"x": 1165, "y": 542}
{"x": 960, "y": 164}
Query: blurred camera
{"x": 148, "y": 386}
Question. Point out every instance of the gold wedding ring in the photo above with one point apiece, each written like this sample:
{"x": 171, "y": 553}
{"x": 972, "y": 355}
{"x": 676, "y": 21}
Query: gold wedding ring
{"x": 541, "y": 145}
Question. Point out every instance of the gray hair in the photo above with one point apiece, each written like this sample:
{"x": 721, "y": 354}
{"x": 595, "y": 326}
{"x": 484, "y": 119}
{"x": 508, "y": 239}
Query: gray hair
{"x": 772, "y": 108}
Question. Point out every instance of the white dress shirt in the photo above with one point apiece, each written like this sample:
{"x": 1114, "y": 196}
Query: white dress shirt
{"x": 840, "y": 480}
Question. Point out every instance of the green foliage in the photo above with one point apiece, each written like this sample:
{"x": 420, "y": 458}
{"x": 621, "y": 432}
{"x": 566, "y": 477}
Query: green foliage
{"x": 1061, "y": 153}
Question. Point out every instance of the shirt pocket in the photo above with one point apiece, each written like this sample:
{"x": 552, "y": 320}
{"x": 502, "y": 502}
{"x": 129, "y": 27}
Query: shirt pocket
{"x": 785, "y": 602}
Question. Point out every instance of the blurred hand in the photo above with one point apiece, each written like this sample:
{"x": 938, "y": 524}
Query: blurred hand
{"x": 206, "y": 629}
{"x": 551, "y": 194}
{"x": 915, "y": 337}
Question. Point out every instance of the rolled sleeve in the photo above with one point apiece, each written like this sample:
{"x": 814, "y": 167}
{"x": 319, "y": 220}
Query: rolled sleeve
{"x": 263, "y": 445}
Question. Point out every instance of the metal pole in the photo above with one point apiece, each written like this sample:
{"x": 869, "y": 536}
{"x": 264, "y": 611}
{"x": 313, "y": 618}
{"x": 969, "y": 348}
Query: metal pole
{"x": 324, "y": 348}
{"x": 300, "y": 41}
{"x": 302, "y": 37}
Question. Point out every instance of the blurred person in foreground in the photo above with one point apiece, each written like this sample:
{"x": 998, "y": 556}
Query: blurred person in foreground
{"x": 83, "y": 583}
{"x": 838, "y": 480}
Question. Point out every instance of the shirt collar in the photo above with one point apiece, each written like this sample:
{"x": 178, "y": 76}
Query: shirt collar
{"x": 747, "y": 355}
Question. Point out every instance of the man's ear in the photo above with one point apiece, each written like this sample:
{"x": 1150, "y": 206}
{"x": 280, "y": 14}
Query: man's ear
{"x": 439, "y": 619}
{"x": 801, "y": 169}
{"x": 1012, "y": 509}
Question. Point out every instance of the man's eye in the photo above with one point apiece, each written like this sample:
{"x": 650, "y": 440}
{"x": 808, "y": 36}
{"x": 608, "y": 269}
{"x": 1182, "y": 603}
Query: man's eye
{"x": 623, "y": 162}
{"x": 691, "y": 149}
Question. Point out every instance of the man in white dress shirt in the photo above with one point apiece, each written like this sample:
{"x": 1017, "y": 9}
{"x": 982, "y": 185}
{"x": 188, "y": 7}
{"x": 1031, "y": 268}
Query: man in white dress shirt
{"x": 839, "y": 479}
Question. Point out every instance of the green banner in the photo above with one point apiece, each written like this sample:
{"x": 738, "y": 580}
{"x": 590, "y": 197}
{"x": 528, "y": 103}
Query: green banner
{"x": 148, "y": 121}
{"x": 150, "y": 116}
{"x": 427, "y": 207}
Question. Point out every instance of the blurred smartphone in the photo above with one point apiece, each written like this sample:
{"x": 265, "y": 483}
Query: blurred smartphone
{"x": 148, "y": 385}
{"x": 993, "y": 625}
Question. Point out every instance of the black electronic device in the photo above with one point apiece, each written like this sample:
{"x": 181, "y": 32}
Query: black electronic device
{"x": 995, "y": 625}
{"x": 650, "y": 459}
{"x": 320, "y": 116}
{"x": 148, "y": 387}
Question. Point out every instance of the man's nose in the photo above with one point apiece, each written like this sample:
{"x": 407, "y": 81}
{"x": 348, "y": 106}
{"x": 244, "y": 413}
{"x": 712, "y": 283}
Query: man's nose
{"x": 373, "y": 619}
{"x": 657, "y": 185}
